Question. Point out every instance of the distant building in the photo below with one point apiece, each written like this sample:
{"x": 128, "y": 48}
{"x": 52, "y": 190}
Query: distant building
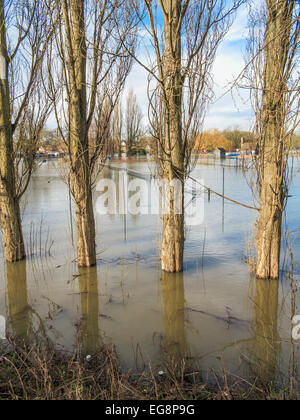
{"x": 220, "y": 153}
{"x": 50, "y": 153}
{"x": 249, "y": 148}
{"x": 246, "y": 148}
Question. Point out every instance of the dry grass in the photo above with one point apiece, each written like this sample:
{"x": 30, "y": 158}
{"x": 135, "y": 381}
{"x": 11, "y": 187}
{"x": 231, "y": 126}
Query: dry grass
{"x": 41, "y": 373}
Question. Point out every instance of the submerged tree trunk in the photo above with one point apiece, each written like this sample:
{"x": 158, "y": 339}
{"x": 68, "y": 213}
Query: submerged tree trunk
{"x": 18, "y": 306}
{"x": 9, "y": 203}
{"x": 273, "y": 162}
{"x": 90, "y": 336}
{"x": 173, "y": 220}
{"x": 78, "y": 133}
{"x": 266, "y": 340}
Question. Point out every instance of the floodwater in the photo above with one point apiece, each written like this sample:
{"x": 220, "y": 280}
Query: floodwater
{"x": 215, "y": 314}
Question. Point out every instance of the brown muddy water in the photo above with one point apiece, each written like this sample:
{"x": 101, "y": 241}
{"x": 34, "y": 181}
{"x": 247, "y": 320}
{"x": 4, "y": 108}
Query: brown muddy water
{"x": 214, "y": 314}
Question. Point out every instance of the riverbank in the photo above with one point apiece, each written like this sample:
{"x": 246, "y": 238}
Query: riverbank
{"x": 38, "y": 372}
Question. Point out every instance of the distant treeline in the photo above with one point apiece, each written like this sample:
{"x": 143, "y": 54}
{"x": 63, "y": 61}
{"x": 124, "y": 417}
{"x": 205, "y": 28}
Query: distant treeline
{"x": 228, "y": 139}
{"x": 209, "y": 140}
{"x": 232, "y": 139}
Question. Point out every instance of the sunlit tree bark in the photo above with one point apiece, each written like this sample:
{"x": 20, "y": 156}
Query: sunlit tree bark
{"x": 281, "y": 40}
{"x": 10, "y": 211}
{"x": 173, "y": 224}
{"x": 74, "y": 21}
{"x": 179, "y": 91}
{"x": 91, "y": 73}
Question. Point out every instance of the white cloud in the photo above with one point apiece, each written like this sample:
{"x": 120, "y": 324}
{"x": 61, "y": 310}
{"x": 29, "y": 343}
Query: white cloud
{"x": 229, "y": 110}
{"x": 238, "y": 30}
{"x": 228, "y": 64}
{"x": 226, "y": 111}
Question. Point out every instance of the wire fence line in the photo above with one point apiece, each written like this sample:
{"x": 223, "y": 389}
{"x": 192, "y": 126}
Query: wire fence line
{"x": 229, "y": 162}
{"x": 136, "y": 174}
{"x": 194, "y": 192}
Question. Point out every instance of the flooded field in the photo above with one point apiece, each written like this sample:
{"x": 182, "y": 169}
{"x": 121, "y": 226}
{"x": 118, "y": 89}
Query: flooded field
{"x": 214, "y": 314}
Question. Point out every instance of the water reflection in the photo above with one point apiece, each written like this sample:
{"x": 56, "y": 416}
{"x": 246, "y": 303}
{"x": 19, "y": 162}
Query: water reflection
{"x": 266, "y": 343}
{"x": 90, "y": 338}
{"x": 134, "y": 266}
{"x": 172, "y": 288}
{"x": 18, "y": 308}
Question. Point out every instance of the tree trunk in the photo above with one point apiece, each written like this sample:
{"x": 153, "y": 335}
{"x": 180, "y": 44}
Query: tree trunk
{"x": 173, "y": 243}
{"x": 11, "y": 221}
{"x": 272, "y": 154}
{"x": 269, "y": 243}
{"x": 173, "y": 224}
{"x": 9, "y": 203}
{"x": 78, "y": 133}
{"x": 85, "y": 222}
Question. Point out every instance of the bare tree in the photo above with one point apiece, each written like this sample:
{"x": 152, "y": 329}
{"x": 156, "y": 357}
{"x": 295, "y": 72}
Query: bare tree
{"x": 23, "y": 37}
{"x": 133, "y": 120}
{"x": 88, "y": 62}
{"x": 184, "y": 36}
{"x": 27, "y": 138}
{"x": 272, "y": 75}
{"x": 117, "y": 127}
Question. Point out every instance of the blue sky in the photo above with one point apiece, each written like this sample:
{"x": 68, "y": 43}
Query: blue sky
{"x": 231, "y": 111}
